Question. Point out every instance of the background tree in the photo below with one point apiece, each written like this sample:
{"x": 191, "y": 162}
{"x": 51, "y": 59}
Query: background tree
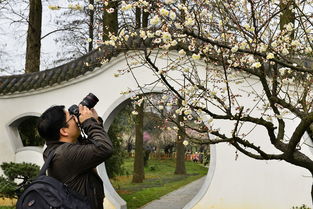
{"x": 110, "y": 19}
{"x": 33, "y": 37}
{"x": 138, "y": 174}
{"x": 180, "y": 148}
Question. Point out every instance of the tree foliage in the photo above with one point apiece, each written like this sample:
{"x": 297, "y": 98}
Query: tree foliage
{"x": 29, "y": 134}
{"x": 121, "y": 125}
{"x": 16, "y": 175}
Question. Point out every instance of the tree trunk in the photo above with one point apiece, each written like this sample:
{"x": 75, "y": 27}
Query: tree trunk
{"x": 287, "y": 16}
{"x": 33, "y": 37}
{"x": 145, "y": 19}
{"x": 142, "y": 18}
{"x": 138, "y": 174}
{"x": 91, "y": 26}
{"x": 180, "y": 148}
{"x": 110, "y": 20}
{"x": 138, "y": 18}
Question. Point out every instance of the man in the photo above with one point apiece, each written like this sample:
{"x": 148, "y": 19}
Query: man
{"x": 74, "y": 162}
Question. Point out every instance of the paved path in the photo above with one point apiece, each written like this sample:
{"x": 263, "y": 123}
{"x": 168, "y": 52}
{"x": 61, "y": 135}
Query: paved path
{"x": 178, "y": 198}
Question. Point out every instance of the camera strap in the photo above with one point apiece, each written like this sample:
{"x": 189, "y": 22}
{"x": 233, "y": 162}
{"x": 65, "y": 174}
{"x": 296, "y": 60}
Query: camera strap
{"x": 82, "y": 132}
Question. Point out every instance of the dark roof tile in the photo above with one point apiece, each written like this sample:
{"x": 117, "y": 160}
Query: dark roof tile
{"x": 14, "y": 84}
{"x": 10, "y": 85}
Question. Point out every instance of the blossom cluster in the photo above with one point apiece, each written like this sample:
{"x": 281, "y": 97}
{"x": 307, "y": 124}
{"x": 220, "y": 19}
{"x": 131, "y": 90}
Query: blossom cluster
{"x": 231, "y": 41}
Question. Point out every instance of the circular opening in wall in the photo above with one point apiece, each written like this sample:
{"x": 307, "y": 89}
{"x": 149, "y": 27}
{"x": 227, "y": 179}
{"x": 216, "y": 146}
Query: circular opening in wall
{"x": 151, "y": 154}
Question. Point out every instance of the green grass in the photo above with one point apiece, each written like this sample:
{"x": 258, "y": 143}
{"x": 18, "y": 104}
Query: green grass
{"x": 7, "y": 207}
{"x": 159, "y": 180}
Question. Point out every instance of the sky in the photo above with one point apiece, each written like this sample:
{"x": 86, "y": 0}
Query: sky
{"x": 13, "y": 37}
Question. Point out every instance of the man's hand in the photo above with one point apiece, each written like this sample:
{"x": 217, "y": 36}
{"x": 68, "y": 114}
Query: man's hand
{"x": 94, "y": 113}
{"x": 85, "y": 113}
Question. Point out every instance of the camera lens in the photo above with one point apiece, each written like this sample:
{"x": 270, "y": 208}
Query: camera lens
{"x": 90, "y": 101}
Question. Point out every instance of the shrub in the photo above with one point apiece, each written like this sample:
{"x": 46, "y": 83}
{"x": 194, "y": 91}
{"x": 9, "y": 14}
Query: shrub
{"x": 16, "y": 175}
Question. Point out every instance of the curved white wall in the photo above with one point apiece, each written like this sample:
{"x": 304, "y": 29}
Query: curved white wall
{"x": 242, "y": 183}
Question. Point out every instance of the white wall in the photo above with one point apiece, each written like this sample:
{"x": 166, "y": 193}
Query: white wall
{"x": 242, "y": 183}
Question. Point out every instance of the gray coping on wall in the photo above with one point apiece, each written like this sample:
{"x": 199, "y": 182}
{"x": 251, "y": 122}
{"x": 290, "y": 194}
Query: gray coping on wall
{"x": 27, "y": 82}
{"x": 16, "y": 84}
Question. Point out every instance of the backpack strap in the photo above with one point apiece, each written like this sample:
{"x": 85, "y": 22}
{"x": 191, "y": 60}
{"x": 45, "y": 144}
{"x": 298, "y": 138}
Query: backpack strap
{"x": 46, "y": 164}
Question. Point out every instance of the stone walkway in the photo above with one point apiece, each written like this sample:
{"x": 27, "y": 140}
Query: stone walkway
{"x": 178, "y": 198}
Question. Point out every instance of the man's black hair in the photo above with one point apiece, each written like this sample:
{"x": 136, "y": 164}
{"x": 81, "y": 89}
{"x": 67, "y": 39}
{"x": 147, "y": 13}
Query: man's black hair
{"x": 50, "y": 123}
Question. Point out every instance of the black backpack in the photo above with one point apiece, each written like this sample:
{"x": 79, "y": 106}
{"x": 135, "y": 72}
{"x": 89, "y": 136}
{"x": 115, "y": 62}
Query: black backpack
{"x": 46, "y": 192}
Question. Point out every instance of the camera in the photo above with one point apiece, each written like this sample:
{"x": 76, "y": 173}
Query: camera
{"x": 89, "y": 101}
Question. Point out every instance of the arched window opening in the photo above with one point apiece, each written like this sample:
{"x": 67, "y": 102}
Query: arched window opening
{"x": 28, "y": 132}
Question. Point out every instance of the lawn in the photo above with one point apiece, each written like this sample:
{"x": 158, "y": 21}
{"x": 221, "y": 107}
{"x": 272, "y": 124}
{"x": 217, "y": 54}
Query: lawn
{"x": 159, "y": 180}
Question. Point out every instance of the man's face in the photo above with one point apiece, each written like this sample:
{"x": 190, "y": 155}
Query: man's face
{"x": 72, "y": 128}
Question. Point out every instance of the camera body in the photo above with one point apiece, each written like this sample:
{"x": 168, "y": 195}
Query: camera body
{"x": 89, "y": 101}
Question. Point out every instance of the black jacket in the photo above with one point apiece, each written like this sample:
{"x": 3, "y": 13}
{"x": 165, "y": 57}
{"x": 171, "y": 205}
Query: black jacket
{"x": 74, "y": 164}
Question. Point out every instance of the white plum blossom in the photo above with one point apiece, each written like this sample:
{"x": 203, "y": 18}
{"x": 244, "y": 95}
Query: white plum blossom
{"x": 172, "y": 15}
{"x": 248, "y": 27}
{"x": 135, "y": 112}
{"x": 91, "y": 7}
{"x": 186, "y": 70}
{"x": 285, "y": 51}
{"x": 196, "y": 56}
{"x": 164, "y": 12}
{"x": 185, "y": 142}
{"x": 155, "y": 20}
{"x": 263, "y": 48}
{"x": 243, "y": 45}
{"x": 308, "y": 50}
{"x": 110, "y": 10}
{"x": 157, "y": 40}
{"x": 295, "y": 43}
{"x": 178, "y": 25}
{"x": 189, "y": 22}
{"x": 174, "y": 43}
{"x": 175, "y": 128}
{"x": 166, "y": 36}
{"x": 54, "y": 7}
{"x": 169, "y": 1}
{"x": 234, "y": 49}
{"x": 143, "y": 34}
{"x": 150, "y": 35}
{"x": 274, "y": 44}
{"x": 250, "y": 59}
{"x": 189, "y": 117}
{"x": 289, "y": 27}
{"x": 270, "y": 56}
{"x": 126, "y": 7}
{"x": 182, "y": 52}
{"x": 158, "y": 33}
{"x": 256, "y": 65}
